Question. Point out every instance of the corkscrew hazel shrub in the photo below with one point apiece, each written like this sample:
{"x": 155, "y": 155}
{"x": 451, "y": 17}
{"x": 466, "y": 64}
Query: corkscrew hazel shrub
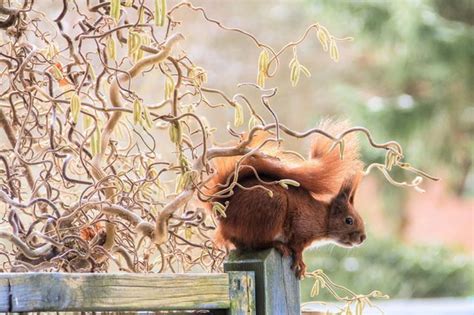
{"x": 88, "y": 182}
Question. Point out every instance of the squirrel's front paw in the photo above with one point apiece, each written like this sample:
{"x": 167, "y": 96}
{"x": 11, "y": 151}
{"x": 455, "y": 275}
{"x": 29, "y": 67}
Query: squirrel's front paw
{"x": 299, "y": 267}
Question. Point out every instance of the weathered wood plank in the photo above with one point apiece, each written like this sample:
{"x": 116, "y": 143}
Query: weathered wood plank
{"x": 32, "y": 292}
{"x": 277, "y": 288}
{"x": 241, "y": 293}
{"x": 4, "y": 295}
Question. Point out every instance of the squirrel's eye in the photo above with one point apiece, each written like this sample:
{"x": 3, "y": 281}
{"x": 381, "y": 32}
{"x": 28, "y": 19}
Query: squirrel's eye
{"x": 349, "y": 221}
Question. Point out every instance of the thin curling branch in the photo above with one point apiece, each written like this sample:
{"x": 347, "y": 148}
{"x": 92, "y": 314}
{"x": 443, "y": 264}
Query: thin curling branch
{"x": 141, "y": 225}
{"x": 161, "y": 227}
{"x": 11, "y": 13}
{"x": 321, "y": 280}
{"x": 24, "y": 248}
{"x": 12, "y": 139}
{"x": 6, "y": 199}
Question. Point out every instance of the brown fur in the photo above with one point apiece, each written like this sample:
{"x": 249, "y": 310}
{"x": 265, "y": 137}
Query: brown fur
{"x": 292, "y": 219}
{"x": 289, "y": 221}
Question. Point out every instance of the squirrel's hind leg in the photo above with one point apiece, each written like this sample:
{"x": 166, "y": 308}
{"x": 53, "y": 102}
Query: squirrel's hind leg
{"x": 282, "y": 248}
{"x": 298, "y": 266}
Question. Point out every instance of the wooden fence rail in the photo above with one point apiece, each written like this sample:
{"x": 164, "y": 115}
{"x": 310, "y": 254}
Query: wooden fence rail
{"x": 254, "y": 283}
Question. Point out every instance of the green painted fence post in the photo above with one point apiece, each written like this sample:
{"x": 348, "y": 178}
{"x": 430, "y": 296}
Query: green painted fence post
{"x": 277, "y": 288}
{"x": 241, "y": 293}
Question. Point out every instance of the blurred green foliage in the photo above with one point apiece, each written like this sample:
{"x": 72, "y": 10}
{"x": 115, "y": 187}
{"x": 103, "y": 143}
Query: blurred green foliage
{"x": 412, "y": 79}
{"x": 398, "y": 270}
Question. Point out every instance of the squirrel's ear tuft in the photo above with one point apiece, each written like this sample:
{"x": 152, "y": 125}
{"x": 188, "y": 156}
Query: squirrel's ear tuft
{"x": 346, "y": 189}
{"x": 349, "y": 187}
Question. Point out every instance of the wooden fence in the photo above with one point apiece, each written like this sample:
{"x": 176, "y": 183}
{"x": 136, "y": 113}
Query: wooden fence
{"x": 253, "y": 283}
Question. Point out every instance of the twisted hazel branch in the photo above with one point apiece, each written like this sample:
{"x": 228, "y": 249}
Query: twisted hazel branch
{"x": 161, "y": 228}
{"x": 25, "y": 249}
{"x": 114, "y": 93}
{"x": 7, "y": 127}
{"x": 12, "y": 16}
{"x": 141, "y": 225}
{"x": 6, "y": 199}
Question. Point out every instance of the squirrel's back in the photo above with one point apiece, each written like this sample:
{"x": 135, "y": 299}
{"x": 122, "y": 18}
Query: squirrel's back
{"x": 323, "y": 173}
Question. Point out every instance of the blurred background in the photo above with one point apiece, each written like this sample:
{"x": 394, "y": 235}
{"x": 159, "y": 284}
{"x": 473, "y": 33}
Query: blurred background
{"x": 407, "y": 76}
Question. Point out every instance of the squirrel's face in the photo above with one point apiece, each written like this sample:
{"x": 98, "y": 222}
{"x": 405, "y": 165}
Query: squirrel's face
{"x": 345, "y": 226}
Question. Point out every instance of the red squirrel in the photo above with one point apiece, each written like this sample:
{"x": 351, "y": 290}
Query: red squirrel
{"x": 292, "y": 218}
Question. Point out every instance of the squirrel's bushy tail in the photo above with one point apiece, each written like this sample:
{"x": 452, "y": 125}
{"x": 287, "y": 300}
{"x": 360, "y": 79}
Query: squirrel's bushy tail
{"x": 323, "y": 173}
{"x": 329, "y": 169}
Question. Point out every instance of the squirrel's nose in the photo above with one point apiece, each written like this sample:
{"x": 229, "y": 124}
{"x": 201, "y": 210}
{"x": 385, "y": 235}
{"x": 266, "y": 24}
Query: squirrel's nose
{"x": 362, "y": 237}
